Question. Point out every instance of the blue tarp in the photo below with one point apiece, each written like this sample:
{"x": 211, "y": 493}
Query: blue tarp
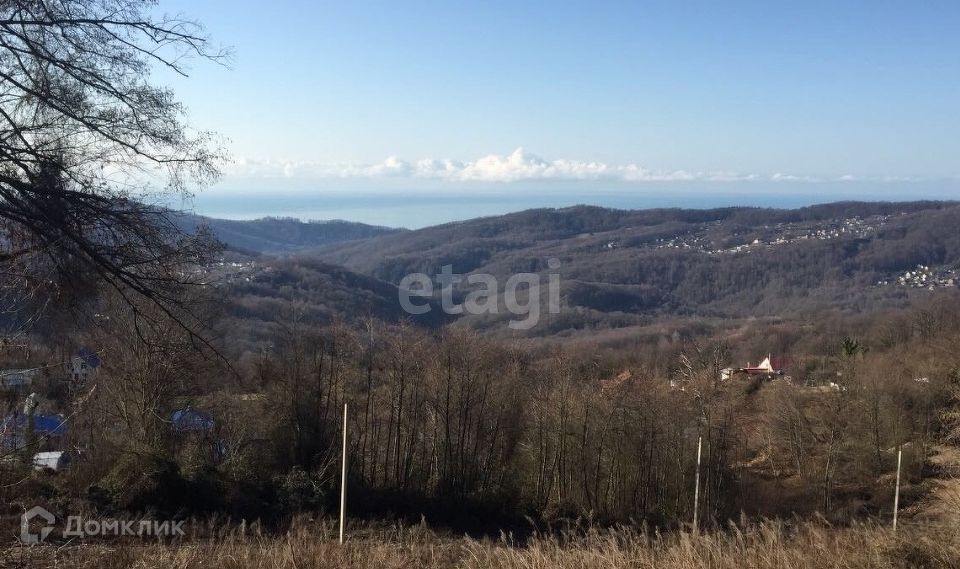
{"x": 42, "y": 424}
{"x": 191, "y": 420}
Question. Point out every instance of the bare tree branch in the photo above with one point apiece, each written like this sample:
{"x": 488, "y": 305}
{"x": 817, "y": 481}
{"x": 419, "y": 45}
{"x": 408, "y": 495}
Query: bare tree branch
{"x": 77, "y": 114}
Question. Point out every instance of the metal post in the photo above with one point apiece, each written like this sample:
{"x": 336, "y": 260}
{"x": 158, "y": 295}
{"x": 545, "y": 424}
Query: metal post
{"x": 696, "y": 490}
{"x": 896, "y": 493}
{"x": 343, "y": 477}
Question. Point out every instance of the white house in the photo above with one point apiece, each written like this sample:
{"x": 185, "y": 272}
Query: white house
{"x": 53, "y": 460}
{"x": 81, "y": 368}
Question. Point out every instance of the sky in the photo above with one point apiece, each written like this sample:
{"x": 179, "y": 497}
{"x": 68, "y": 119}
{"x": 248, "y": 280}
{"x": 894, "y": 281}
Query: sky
{"x": 743, "y": 98}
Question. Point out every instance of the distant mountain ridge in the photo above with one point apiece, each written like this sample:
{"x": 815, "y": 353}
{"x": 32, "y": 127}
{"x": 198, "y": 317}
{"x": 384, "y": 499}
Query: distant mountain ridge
{"x": 281, "y": 235}
{"x": 263, "y": 292}
{"x": 621, "y": 267}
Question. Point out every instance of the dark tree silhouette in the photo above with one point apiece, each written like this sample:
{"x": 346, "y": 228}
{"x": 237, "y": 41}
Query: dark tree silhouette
{"x": 87, "y": 143}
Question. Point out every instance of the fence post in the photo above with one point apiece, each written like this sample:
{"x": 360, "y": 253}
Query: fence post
{"x": 343, "y": 477}
{"x": 696, "y": 490}
{"x": 896, "y": 492}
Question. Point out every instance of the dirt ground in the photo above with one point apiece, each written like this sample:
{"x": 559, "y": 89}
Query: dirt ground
{"x": 941, "y": 506}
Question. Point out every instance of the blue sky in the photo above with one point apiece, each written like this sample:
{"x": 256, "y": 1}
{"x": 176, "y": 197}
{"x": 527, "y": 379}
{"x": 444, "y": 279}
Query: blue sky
{"x": 326, "y": 96}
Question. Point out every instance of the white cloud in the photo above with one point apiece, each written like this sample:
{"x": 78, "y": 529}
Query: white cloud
{"x": 781, "y": 177}
{"x": 519, "y": 165}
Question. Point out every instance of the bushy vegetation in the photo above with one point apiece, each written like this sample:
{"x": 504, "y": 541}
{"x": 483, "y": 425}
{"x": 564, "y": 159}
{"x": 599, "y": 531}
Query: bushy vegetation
{"x": 477, "y": 435}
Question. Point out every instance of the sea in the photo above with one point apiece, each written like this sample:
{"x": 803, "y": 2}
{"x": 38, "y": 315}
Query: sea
{"x": 415, "y": 209}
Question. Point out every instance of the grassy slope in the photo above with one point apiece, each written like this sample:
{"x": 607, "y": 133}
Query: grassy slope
{"x": 768, "y": 545}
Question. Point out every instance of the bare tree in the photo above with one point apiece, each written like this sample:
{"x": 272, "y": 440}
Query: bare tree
{"x": 86, "y": 141}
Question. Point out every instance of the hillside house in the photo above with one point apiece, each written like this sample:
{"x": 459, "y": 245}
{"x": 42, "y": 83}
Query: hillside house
{"x": 763, "y": 368}
{"x": 195, "y": 428}
{"x": 621, "y": 379}
{"x": 190, "y": 420}
{"x": 768, "y": 367}
{"x": 55, "y": 460}
{"x": 83, "y": 365}
{"x": 11, "y": 379}
{"x": 48, "y": 429}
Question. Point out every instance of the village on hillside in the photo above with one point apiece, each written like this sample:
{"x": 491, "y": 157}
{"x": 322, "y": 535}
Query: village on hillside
{"x": 37, "y": 426}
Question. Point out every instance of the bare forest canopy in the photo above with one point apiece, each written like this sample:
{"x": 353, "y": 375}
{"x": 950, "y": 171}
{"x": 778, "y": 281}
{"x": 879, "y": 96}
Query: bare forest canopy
{"x": 627, "y": 271}
{"x": 477, "y": 435}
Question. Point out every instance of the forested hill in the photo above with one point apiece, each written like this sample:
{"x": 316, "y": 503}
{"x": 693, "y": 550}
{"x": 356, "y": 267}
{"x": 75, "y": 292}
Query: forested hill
{"x": 720, "y": 262}
{"x": 281, "y": 235}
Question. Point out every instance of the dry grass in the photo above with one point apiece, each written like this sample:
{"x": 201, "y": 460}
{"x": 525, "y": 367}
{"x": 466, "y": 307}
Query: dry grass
{"x": 942, "y": 504}
{"x": 770, "y": 544}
